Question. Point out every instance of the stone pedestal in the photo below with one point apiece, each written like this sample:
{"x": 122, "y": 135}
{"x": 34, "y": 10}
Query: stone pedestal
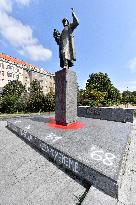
{"x": 65, "y": 97}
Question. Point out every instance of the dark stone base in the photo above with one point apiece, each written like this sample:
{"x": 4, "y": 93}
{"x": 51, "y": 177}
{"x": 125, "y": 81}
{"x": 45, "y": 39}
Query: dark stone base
{"x": 110, "y": 114}
{"x": 93, "y": 153}
{"x": 65, "y": 97}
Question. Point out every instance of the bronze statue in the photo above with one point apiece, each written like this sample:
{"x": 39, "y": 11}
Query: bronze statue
{"x": 65, "y": 40}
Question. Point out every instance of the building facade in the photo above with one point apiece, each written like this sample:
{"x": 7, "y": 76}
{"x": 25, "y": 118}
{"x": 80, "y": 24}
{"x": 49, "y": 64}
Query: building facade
{"x": 15, "y": 69}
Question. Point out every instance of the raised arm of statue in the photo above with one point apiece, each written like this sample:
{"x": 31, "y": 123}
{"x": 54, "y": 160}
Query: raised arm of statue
{"x": 56, "y": 35}
{"x": 75, "y": 22}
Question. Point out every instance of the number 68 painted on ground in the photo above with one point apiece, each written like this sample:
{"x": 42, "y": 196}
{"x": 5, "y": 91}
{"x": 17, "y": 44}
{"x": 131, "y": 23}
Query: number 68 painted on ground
{"x": 99, "y": 155}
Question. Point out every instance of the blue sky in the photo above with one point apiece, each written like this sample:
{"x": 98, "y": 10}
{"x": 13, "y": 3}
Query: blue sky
{"x": 105, "y": 40}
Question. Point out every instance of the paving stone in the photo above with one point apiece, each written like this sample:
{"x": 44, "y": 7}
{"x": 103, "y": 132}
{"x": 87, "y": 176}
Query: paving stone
{"x": 36, "y": 180}
{"x": 96, "y": 197}
{"x": 94, "y": 152}
{"x": 127, "y": 190}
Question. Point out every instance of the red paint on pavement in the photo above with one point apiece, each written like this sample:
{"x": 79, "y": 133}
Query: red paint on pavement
{"x": 75, "y": 125}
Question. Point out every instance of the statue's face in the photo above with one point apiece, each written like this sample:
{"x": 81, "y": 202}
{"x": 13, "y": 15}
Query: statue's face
{"x": 65, "y": 22}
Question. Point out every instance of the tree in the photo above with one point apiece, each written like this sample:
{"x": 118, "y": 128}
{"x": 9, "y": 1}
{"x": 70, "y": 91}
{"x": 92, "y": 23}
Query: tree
{"x": 49, "y": 104}
{"x": 126, "y": 97}
{"x": 14, "y": 87}
{"x": 35, "y": 87}
{"x": 10, "y": 95}
{"x": 133, "y": 97}
{"x": 113, "y": 96}
{"x": 80, "y": 96}
{"x": 36, "y": 98}
{"x": 22, "y": 101}
{"x": 100, "y": 91}
{"x": 98, "y": 81}
{"x": 8, "y": 104}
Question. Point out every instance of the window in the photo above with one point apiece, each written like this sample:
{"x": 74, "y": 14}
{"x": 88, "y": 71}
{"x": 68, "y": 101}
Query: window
{"x": 9, "y": 67}
{"x": 9, "y": 74}
{"x": 3, "y": 73}
{"x": 1, "y": 65}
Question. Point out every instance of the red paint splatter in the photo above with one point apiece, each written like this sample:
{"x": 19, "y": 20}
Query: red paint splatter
{"x": 75, "y": 125}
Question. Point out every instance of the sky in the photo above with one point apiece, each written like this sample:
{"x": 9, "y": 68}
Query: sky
{"x": 105, "y": 40}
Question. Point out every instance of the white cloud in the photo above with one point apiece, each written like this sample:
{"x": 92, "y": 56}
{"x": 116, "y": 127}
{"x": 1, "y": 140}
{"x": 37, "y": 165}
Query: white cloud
{"x": 36, "y": 52}
{"x": 15, "y": 32}
{"x": 21, "y": 35}
{"x": 132, "y": 65}
{"x": 6, "y": 5}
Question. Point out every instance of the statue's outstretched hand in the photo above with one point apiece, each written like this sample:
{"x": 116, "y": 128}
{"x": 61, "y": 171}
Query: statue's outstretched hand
{"x": 73, "y": 13}
{"x": 56, "y": 33}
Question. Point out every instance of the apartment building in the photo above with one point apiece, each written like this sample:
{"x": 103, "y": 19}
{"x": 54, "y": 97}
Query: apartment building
{"x": 15, "y": 69}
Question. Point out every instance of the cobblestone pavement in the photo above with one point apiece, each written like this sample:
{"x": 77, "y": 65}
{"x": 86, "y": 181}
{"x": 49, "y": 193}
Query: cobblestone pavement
{"x": 27, "y": 178}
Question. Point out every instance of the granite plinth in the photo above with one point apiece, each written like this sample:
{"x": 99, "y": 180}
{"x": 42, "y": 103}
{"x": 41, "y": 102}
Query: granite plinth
{"x": 113, "y": 114}
{"x": 94, "y": 153}
{"x": 65, "y": 97}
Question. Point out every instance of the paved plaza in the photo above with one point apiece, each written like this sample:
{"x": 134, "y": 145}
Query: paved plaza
{"x": 27, "y": 178}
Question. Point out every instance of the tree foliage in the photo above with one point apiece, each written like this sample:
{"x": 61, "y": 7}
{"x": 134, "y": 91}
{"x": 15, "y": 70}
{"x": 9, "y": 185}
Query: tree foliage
{"x": 133, "y": 97}
{"x": 14, "y": 87}
{"x": 8, "y": 104}
{"x": 22, "y": 102}
{"x": 49, "y": 104}
{"x": 129, "y": 97}
{"x": 91, "y": 98}
{"x": 36, "y": 97}
{"x": 15, "y": 98}
{"x": 99, "y": 91}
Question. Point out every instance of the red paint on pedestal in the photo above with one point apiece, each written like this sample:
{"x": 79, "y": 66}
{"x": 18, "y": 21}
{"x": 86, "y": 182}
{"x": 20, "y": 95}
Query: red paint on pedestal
{"x": 75, "y": 125}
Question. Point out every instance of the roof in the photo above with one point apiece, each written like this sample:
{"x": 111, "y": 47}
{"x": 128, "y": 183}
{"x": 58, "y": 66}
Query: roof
{"x": 21, "y": 62}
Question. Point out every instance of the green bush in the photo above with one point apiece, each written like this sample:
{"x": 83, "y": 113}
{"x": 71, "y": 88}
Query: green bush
{"x": 36, "y": 103}
{"x": 22, "y": 101}
{"x": 49, "y": 103}
{"x": 8, "y": 104}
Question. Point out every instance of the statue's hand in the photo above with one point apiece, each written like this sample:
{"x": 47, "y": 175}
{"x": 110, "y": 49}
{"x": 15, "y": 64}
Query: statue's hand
{"x": 56, "y": 33}
{"x": 73, "y": 13}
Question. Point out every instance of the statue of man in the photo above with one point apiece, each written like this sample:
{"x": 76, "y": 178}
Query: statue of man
{"x": 65, "y": 40}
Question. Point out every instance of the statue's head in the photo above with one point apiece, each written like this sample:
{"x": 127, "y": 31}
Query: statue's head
{"x": 65, "y": 22}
